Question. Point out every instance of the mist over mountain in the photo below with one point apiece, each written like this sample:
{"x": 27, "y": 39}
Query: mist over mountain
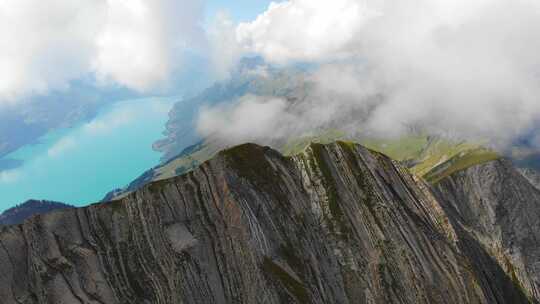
{"x": 252, "y": 76}
{"x": 466, "y": 68}
{"x": 343, "y": 151}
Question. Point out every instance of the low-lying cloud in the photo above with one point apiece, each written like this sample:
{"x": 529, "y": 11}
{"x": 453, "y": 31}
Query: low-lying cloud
{"x": 469, "y": 67}
{"x": 250, "y": 118}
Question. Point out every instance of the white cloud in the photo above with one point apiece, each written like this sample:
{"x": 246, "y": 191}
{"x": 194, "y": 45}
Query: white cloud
{"x": 305, "y": 29}
{"x": 140, "y": 40}
{"x": 267, "y": 119}
{"x": 224, "y": 50}
{"x": 46, "y": 44}
{"x": 466, "y": 66}
{"x": 250, "y": 118}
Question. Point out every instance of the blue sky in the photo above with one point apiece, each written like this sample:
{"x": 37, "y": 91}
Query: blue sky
{"x": 239, "y": 10}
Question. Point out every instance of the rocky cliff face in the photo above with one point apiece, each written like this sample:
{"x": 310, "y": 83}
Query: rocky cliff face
{"x": 500, "y": 207}
{"x": 335, "y": 224}
{"x": 532, "y": 175}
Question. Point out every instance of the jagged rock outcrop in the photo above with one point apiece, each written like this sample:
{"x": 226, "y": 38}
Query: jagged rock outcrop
{"x": 497, "y": 205}
{"x": 335, "y": 224}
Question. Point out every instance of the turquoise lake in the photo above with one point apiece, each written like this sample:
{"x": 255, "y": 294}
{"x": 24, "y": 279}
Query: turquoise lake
{"x": 81, "y": 164}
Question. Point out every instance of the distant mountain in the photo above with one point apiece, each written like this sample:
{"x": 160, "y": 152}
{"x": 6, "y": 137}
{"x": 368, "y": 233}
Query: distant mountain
{"x": 19, "y": 213}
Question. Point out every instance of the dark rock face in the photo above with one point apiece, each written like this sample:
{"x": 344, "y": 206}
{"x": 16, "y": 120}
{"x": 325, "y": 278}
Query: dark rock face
{"x": 500, "y": 207}
{"x": 335, "y": 224}
{"x": 532, "y": 175}
{"x": 19, "y": 213}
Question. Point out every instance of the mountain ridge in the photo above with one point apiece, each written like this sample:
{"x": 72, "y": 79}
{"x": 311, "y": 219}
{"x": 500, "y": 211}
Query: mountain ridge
{"x": 335, "y": 223}
{"x": 427, "y": 156}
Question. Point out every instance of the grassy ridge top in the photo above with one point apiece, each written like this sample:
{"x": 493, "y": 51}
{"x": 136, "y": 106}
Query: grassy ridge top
{"x": 432, "y": 158}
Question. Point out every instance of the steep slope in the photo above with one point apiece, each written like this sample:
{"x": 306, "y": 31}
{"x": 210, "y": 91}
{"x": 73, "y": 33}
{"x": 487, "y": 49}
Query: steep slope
{"x": 532, "y": 175}
{"x": 21, "y": 212}
{"x": 335, "y": 224}
{"x": 497, "y": 205}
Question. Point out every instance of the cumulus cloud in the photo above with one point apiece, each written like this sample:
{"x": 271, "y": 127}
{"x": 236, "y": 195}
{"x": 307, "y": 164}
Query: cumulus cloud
{"x": 140, "y": 40}
{"x": 470, "y": 67}
{"x": 305, "y": 29}
{"x": 47, "y": 44}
